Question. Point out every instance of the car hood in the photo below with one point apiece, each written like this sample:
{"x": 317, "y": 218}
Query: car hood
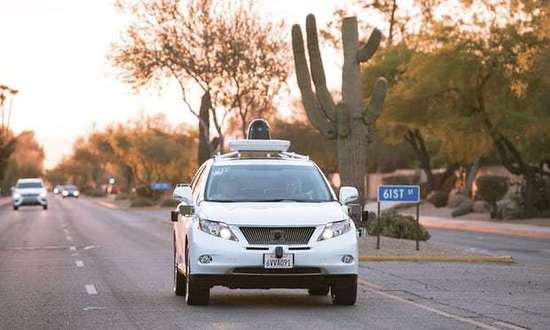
{"x": 30, "y": 191}
{"x": 272, "y": 214}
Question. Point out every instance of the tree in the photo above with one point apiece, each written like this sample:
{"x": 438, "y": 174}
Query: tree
{"x": 7, "y": 141}
{"x": 26, "y": 160}
{"x": 349, "y": 121}
{"x": 237, "y": 60}
{"x": 486, "y": 91}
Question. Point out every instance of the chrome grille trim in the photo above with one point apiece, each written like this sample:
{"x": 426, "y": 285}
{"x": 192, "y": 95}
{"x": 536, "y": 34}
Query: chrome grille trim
{"x": 269, "y": 235}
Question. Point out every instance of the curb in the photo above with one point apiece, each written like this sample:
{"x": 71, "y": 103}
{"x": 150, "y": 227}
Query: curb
{"x": 467, "y": 259}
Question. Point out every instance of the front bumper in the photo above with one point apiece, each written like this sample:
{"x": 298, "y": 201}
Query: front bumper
{"x": 240, "y": 265}
{"x": 30, "y": 200}
{"x": 240, "y": 281}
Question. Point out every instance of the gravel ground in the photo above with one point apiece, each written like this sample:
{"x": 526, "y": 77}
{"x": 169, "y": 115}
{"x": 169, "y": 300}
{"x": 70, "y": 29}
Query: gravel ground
{"x": 402, "y": 247}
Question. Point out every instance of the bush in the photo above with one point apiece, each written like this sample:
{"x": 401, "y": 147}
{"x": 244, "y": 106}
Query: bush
{"x": 492, "y": 188}
{"x": 169, "y": 202}
{"x": 142, "y": 202}
{"x": 438, "y": 198}
{"x": 92, "y": 192}
{"x": 145, "y": 192}
{"x": 401, "y": 179}
{"x": 393, "y": 224}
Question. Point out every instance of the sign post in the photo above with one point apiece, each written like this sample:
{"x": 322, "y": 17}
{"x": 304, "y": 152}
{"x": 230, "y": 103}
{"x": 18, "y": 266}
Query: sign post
{"x": 399, "y": 194}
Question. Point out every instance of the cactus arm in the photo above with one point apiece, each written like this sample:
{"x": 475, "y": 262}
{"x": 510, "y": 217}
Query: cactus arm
{"x": 351, "y": 79}
{"x": 317, "y": 70}
{"x": 311, "y": 103}
{"x": 368, "y": 50}
{"x": 376, "y": 103}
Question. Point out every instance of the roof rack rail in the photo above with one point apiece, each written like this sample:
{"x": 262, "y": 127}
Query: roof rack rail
{"x": 261, "y": 155}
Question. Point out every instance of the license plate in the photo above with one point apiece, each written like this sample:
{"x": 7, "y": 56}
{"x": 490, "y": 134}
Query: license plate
{"x": 271, "y": 261}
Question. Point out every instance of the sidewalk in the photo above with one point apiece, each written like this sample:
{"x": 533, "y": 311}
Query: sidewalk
{"x": 509, "y": 229}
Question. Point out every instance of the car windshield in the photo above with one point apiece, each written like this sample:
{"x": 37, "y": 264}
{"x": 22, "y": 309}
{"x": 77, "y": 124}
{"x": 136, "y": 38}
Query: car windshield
{"x": 266, "y": 183}
{"x": 25, "y": 185}
{"x": 70, "y": 188}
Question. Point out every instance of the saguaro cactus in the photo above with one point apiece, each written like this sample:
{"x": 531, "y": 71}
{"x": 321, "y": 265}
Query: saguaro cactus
{"x": 349, "y": 121}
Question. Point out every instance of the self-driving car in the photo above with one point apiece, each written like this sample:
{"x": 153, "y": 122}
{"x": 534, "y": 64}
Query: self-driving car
{"x": 261, "y": 217}
{"x": 30, "y": 191}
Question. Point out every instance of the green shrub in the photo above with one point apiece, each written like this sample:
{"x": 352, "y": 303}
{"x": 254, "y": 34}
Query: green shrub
{"x": 393, "y": 224}
{"x": 492, "y": 188}
{"x": 142, "y": 202}
{"x": 438, "y": 198}
{"x": 169, "y": 202}
{"x": 401, "y": 179}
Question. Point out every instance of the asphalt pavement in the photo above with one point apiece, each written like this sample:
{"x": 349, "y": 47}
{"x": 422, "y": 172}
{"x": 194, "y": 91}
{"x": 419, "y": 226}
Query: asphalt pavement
{"x": 80, "y": 265}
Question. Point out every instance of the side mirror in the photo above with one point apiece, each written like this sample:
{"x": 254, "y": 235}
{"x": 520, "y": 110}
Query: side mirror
{"x": 348, "y": 195}
{"x": 183, "y": 193}
{"x": 174, "y": 216}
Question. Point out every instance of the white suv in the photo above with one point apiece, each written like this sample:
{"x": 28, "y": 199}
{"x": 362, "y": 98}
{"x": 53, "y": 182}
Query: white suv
{"x": 261, "y": 217}
{"x": 29, "y": 192}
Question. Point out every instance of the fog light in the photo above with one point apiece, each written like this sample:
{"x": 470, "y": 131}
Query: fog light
{"x": 205, "y": 259}
{"x": 347, "y": 259}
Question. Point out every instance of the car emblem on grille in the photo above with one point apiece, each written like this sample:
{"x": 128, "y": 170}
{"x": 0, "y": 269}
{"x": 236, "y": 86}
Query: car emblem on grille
{"x": 277, "y": 235}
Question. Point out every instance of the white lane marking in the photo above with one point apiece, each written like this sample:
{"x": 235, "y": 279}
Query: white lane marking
{"x": 79, "y": 263}
{"x": 74, "y": 254}
{"x": 376, "y": 289}
{"x": 89, "y": 247}
{"x": 72, "y": 248}
{"x": 91, "y": 308}
{"x": 90, "y": 289}
{"x": 509, "y": 325}
{"x": 69, "y": 238}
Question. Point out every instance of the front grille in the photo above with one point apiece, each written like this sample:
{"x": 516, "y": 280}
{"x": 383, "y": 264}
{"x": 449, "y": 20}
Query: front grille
{"x": 29, "y": 195}
{"x": 270, "y": 271}
{"x": 277, "y": 235}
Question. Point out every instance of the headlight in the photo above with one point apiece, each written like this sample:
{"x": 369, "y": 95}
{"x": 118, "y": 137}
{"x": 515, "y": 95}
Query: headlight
{"x": 335, "y": 229}
{"x": 76, "y": 193}
{"x": 65, "y": 193}
{"x": 16, "y": 195}
{"x": 218, "y": 229}
{"x": 43, "y": 194}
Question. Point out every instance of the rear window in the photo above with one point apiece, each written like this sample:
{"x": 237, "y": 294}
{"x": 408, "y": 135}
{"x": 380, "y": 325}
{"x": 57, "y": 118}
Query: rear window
{"x": 25, "y": 185}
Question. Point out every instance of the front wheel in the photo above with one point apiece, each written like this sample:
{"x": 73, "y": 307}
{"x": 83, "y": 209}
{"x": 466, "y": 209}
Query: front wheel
{"x": 15, "y": 207}
{"x": 45, "y": 207}
{"x": 344, "y": 295}
{"x": 179, "y": 279}
{"x": 195, "y": 293}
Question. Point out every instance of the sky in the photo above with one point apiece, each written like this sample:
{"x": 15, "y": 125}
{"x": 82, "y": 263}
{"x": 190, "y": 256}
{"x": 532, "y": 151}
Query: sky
{"x": 54, "y": 53}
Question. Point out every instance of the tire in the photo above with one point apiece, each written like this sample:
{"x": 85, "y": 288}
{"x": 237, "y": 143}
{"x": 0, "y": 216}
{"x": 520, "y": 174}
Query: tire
{"x": 344, "y": 295}
{"x": 15, "y": 208}
{"x": 179, "y": 279}
{"x": 45, "y": 207}
{"x": 195, "y": 293}
{"x": 321, "y": 291}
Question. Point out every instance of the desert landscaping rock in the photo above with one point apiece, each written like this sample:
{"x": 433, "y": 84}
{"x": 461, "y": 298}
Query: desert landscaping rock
{"x": 481, "y": 207}
{"x": 455, "y": 199}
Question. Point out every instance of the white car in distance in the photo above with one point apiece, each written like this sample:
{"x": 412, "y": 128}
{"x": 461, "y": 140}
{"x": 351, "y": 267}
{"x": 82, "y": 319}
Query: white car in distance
{"x": 259, "y": 218}
{"x": 30, "y": 191}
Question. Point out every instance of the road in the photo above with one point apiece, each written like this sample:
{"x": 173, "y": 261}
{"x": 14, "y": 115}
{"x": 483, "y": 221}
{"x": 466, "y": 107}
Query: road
{"x": 80, "y": 265}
